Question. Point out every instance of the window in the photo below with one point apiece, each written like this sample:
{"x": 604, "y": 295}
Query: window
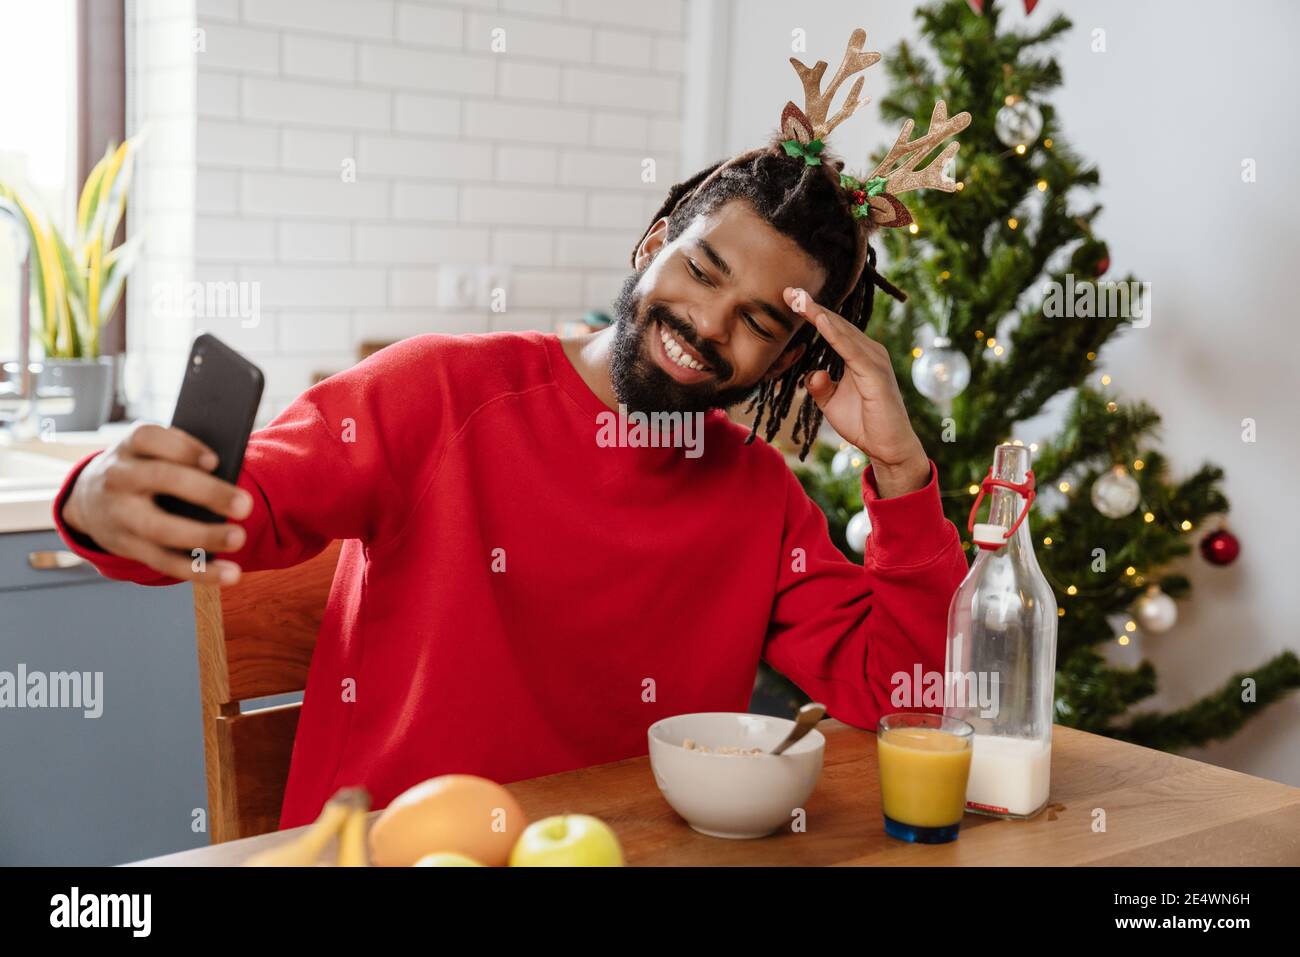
{"x": 38, "y": 125}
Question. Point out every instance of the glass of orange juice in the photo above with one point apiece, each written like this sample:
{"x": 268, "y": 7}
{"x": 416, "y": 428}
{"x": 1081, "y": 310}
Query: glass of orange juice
{"x": 924, "y": 764}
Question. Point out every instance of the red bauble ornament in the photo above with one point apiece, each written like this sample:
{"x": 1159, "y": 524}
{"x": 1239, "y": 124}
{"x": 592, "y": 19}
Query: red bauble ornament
{"x": 1220, "y": 548}
{"x": 1102, "y": 265}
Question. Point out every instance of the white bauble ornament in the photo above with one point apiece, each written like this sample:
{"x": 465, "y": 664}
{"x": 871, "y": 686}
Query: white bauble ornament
{"x": 848, "y": 461}
{"x": 1018, "y": 122}
{"x": 858, "y": 529}
{"x": 1155, "y": 611}
{"x": 1116, "y": 493}
{"x": 942, "y": 372}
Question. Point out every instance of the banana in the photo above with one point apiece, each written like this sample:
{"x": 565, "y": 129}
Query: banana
{"x": 304, "y": 850}
{"x": 352, "y": 840}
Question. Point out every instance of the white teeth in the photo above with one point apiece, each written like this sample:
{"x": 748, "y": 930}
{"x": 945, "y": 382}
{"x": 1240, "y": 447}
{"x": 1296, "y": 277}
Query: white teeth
{"x": 677, "y": 353}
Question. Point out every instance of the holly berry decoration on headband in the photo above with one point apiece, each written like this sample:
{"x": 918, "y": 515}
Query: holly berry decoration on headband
{"x": 860, "y": 193}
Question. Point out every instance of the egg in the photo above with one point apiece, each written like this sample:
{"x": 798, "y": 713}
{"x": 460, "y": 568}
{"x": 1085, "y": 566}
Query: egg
{"x": 456, "y": 813}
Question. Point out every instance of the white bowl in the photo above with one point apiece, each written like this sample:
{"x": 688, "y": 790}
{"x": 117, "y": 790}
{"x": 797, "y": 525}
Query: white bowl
{"x": 733, "y": 795}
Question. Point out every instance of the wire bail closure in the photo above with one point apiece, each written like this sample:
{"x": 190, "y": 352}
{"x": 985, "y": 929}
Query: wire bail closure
{"x": 1025, "y": 489}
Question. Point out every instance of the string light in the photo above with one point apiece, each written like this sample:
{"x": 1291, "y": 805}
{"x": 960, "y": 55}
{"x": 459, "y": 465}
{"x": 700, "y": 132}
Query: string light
{"x": 1148, "y": 518}
{"x": 1072, "y": 590}
{"x": 1105, "y": 380}
{"x": 1064, "y": 486}
{"x": 914, "y": 229}
{"x": 1020, "y": 149}
{"x": 1013, "y": 222}
{"x": 1139, "y": 465}
{"x": 979, "y": 333}
{"x": 961, "y": 186}
{"x": 974, "y": 489}
{"x": 944, "y": 275}
{"x": 917, "y": 352}
{"x": 1186, "y": 526}
{"x": 1048, "y": 142}
{"x": 1042, "y": 186}
{"x": 998, "y": 351}
{"x": 1092, "y": 356}
{"x": 1060, "y": 612}
{"x": 1130, "y": 626}
{"x": 1122, "y": 639}
{"x": 1130, "y": 570}
{"x": 1033, "y": 446}
{"x": 1111, "y": 406}
{"x": 1047, "y": 540}
{"x": 991, "y": 343}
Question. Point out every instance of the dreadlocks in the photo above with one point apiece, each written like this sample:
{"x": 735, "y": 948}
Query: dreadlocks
{"x": 807, "y": 204}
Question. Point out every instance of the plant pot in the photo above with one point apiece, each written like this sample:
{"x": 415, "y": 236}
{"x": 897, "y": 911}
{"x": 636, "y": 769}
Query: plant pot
{"x": 91, "y": 384}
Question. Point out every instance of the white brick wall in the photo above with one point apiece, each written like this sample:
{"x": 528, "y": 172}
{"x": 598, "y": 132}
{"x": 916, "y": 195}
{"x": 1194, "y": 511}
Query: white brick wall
{"x": 529, "y": 157}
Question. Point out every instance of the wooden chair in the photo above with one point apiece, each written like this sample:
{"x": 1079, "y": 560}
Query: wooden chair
{"x": 255, "y": 639}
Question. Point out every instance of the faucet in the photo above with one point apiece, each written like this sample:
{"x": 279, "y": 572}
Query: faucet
{"x": 24, "y": 393}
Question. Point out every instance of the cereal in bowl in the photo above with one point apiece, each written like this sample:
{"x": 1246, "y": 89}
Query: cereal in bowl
{"x": 690, "y": 744}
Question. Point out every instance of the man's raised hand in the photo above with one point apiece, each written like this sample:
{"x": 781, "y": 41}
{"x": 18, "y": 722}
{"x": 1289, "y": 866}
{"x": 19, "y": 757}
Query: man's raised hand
{"x": 865, "y": 406}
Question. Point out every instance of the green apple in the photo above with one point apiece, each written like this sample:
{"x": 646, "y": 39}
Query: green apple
{"x": 568, "y": 840}
{"x": 446, "y": 859}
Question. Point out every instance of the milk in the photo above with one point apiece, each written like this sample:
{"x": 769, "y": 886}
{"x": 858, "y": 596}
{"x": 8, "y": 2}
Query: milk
{"x": 1008, "y": 776}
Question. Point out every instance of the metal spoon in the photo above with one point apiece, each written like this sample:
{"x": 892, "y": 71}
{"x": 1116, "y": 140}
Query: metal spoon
{"x": 804, "y": 722}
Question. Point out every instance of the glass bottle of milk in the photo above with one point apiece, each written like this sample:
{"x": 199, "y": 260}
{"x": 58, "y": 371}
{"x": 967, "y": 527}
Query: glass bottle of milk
{"x": 1000, "y": 670}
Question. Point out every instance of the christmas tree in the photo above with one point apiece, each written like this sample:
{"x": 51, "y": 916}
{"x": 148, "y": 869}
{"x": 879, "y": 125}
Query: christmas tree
{"x": 981, "y": 345}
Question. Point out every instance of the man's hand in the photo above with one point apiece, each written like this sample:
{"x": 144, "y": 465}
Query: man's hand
{"x": 112, "y": 502}
{"x": 865, "y": 406}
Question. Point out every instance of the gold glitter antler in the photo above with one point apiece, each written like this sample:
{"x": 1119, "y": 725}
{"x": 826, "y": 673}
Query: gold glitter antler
{"x": 898, "y": 169}
{"x": 811, "y": 123}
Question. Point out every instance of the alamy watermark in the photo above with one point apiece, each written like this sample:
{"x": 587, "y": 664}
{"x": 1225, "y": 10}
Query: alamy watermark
{"x": 643, "y": 430}
{"x": 1099, "y": 299}
{"x": 210, "y": 300}
{"x": 74, "y": 909}
{"x": 946, "y": 689}
{"x": 54, "y": 689}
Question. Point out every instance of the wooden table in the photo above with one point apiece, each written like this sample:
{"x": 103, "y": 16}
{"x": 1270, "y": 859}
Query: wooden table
{"x": 1159, "y": 809}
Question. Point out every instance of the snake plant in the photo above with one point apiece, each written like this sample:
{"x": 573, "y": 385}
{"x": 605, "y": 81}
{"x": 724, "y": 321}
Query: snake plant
{"x": 78, "y": 284}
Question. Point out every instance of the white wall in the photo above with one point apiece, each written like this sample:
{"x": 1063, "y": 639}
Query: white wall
{"x": 529, "y": 159}
{"x": 1184, "y": 92}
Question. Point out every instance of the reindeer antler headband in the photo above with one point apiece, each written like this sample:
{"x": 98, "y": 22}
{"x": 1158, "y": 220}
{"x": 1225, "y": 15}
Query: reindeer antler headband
{"x": 873, "y": 199}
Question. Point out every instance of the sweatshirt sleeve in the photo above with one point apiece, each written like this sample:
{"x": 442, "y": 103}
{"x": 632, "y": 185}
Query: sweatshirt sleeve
{"x": 325, "y": 468}
{"x": 841, "y": 631}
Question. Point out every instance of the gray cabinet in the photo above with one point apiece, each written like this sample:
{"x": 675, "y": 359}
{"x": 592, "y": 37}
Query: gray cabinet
{"x": 128, "y": 783}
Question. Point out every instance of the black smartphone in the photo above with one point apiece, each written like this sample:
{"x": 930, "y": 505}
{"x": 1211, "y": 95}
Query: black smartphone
{"x": 217, "y": 405}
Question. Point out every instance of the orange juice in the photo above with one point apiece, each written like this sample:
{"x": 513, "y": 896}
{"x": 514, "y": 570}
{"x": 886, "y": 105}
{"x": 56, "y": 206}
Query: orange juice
{"x": 923, "y": 775}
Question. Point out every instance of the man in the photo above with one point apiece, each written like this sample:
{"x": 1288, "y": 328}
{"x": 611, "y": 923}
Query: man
{"x": 515, "y": 597}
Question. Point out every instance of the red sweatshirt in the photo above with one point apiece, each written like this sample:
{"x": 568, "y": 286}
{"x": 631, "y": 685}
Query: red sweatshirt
{"x": 515, "y": 599}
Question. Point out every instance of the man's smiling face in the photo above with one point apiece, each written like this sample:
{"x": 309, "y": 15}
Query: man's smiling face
{"x": 703, "y": 320}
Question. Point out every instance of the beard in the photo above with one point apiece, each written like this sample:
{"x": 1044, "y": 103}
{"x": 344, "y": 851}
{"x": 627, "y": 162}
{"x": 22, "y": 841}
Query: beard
{"x": 644, "y": 387}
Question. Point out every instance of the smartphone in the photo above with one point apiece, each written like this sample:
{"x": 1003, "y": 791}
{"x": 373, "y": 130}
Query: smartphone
{"x": 217, "y": 404}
